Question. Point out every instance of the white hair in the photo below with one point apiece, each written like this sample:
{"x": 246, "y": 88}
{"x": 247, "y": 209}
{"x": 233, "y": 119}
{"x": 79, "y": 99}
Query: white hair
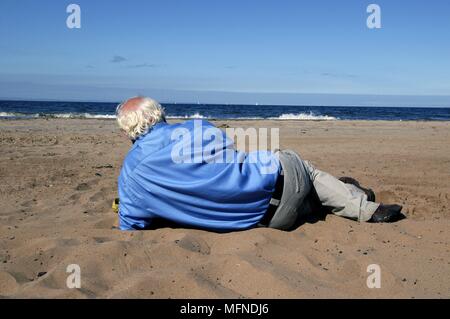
{"x": 139, "y": 120}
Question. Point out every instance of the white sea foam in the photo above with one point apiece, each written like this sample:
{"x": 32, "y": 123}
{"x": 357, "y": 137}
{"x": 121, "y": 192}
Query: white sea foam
{"x": 83, "y": 115}
{"x": 58, "y": 115}
{"x": 286, "y": 116}
{"x": 17, "y": 115}
{"x": 100, "y": 116}
{"x": 193, "y": 116}
{"x": 304, "y": 117}
{"x": 7, "y": 114}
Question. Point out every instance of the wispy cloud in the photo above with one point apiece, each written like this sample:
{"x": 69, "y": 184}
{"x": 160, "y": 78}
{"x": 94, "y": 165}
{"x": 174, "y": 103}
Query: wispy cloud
{"x": 142, "y": 65}
{"x": 118, "y": 59}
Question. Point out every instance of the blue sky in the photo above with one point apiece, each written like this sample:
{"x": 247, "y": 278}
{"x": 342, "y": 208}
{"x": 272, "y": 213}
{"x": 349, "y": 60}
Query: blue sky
{"x": 290, "y": 52}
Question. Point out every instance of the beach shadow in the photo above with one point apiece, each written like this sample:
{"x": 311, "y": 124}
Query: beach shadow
{"x": 163, "y": 223}
{"x": 313, "y": 211}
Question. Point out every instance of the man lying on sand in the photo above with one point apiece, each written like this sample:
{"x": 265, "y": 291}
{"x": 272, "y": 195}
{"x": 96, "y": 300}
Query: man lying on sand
{"x": 257, "y": 189}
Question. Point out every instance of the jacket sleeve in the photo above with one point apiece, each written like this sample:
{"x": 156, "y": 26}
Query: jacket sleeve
{"x": 132, "y": 216}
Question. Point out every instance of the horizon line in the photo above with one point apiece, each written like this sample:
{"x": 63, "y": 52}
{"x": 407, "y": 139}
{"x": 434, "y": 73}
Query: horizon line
{"x": 231, "y": 104}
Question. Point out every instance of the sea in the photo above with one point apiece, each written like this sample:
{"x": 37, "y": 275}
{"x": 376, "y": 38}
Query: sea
{"x": 44, "y": 109}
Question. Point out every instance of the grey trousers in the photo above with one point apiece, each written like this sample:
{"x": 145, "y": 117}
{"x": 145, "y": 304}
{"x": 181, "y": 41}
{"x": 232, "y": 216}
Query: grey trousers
{"x": 301, "y": 178}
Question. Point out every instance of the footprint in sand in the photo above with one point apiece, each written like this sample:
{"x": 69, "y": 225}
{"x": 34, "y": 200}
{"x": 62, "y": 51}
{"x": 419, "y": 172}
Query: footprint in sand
{"x": 100, "y": 195}
{"x": 196, "y": 245}
{"x": 28, "y": 203}
{"x": 74, "y": 197}
{"x": 101, "y": 240}
{"x": 86, "y": 186}
{"x": 96, "y": 197}
{"x": 82, "y": 187}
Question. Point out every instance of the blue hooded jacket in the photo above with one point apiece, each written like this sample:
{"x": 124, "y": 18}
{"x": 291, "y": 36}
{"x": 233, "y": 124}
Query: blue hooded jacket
{"x": 189, "y": 173}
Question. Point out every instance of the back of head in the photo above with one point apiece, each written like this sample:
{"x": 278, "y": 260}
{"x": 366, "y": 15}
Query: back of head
{"x": 137, "y": 115}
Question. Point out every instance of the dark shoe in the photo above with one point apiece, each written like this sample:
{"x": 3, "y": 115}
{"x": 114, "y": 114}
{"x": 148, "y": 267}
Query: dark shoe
{"x": 349, "y": 180}
{"x": 387, "y": 214}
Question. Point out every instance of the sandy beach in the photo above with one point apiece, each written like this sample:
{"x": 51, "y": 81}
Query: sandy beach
{"x": 59, "y": 177}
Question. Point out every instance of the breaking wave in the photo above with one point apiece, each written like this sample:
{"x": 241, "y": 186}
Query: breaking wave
{"x": 17, "y": 115}
{"x": 60, "y": 115}
{"x": 285, "y": 116}
{"x": 81, "y": 115}
{"x": 193, "y": 116}
{"x": 304, "y": 117}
